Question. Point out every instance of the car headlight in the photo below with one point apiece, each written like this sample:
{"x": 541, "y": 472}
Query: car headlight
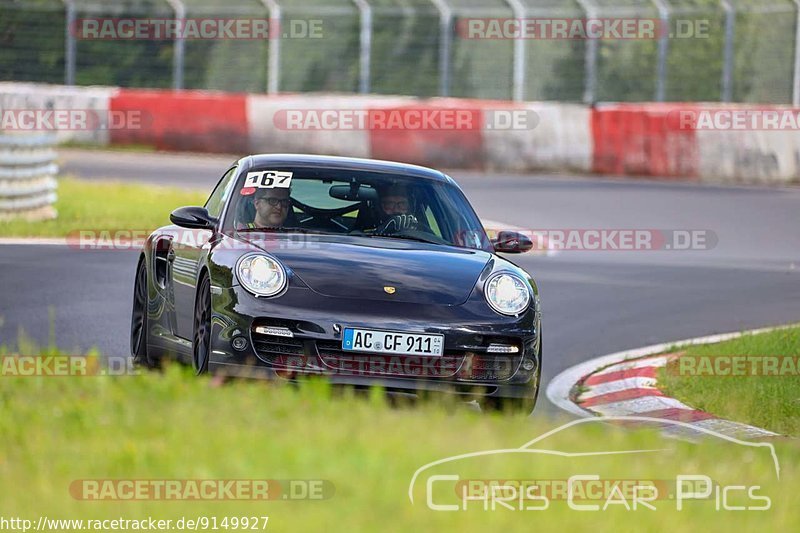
{"x": 261, "y": 274}
{"x": 507, "y": 294}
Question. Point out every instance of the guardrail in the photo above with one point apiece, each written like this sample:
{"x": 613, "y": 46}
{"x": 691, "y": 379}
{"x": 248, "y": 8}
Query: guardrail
{"x": 27, "y": 176}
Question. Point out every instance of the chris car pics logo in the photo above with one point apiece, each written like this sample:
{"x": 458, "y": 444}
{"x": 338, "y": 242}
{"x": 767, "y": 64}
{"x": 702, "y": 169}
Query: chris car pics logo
{"x": 450, "y": 484}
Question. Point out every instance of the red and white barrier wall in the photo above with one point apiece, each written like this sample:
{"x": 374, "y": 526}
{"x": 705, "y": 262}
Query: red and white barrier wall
{"x": 611, "y": 139}
{"x": 658, "y": 140}
{"x": 30, "y": 96}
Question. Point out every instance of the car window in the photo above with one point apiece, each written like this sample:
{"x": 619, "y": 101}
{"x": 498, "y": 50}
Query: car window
{"x": 316, "y": 193}
{"x": 217, "y": 199}
{"x": 356, "y": 203}
{"x": 432, "y": 222}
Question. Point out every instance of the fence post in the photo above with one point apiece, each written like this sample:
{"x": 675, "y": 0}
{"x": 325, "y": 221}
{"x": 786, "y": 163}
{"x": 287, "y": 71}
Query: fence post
{"x": 796, "y": 78}
{"x": 518, "y": 83}
{"x": 727, "y": 57}
{"x": 70, "y": 47}
{"x": 590, "y": 62}
{"x": 663, "y": 50}
{"x": 274, "y": 51}
{"x": 445, "y": 41}
{"x": 27, "y": 176}
{"x": 365, "y": 45}
{"x": 180, "y": 44}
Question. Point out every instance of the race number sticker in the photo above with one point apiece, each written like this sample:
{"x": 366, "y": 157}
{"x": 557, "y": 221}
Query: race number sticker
{"x": 268, "y": 179}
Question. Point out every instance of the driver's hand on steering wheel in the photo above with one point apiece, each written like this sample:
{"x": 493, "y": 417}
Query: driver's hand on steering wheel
{"x": 397, "y": 224}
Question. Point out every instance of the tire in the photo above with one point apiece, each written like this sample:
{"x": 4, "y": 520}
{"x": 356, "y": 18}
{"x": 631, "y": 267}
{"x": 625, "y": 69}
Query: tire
{"x": 201, "y": 338}
{"x": 139, "y": 328}
{"x": 522, "y": 406}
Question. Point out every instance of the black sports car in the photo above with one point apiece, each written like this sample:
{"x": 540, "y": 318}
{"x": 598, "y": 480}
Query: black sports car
{"x": 368, "y": 272}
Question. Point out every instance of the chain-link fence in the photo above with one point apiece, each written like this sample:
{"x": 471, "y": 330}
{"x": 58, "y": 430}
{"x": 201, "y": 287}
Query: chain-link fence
{"x": 568, "y": 50}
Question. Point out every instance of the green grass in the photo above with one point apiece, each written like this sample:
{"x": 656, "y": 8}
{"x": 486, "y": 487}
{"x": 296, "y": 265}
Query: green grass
{"x": 97, "y": 205}
{"x": 138, "y": 148}
{"x": 771, "y": 402}
{"x": 172, "y": 425}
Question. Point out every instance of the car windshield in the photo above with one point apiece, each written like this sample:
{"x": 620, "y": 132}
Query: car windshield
{"x": 359, "y": 203}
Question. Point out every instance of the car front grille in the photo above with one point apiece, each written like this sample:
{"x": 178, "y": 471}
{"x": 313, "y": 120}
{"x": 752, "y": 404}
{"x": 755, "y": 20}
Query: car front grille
{"x": 327, "y": 357}
{"x": 488, "y": 367}
{"x": 341, "y": 361}
{"x": 269, "y": 347}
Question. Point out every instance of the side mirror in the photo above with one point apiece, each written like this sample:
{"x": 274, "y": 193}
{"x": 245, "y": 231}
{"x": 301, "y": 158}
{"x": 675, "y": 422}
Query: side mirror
{"x": 511, "y": 242}
{"x": 193, "y": 218}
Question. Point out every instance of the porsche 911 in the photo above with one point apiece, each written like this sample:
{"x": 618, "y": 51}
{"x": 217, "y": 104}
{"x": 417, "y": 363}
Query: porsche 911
{"x": 370, "y": 273}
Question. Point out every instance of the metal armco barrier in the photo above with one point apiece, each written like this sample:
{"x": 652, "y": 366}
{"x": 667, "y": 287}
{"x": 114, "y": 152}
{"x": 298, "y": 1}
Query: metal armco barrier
{"x": 27, "y": 176}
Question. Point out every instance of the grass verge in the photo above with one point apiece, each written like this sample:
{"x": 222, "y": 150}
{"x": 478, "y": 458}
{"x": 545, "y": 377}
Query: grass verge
{"x": 708, "y": 381}
{"x": 56, "y": 431}
{"x": 98, "y": 205}
{"x": 137, "y": 148}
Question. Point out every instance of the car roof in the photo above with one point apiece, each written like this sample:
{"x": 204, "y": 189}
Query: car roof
{"x": 344, "y": 163}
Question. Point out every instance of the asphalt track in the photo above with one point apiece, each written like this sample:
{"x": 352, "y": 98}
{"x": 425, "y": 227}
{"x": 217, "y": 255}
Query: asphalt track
{"x": 594, "y": 302}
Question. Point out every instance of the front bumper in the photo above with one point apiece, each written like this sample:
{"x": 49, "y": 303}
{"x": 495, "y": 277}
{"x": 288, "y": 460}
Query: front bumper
{"x": 316, "y": 323}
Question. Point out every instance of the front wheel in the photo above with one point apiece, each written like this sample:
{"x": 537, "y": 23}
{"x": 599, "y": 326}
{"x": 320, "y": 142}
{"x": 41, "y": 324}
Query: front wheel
{"x": 139, "y": 319}
{"x": 523, "y": 406}
{"x": 202, "y": 327}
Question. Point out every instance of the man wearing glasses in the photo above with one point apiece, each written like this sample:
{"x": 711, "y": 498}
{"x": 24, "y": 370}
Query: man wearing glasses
{"x": 272, "y": 208}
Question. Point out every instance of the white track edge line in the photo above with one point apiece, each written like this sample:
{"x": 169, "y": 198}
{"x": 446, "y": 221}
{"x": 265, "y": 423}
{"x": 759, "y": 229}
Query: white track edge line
{"x": 33, "y": 241}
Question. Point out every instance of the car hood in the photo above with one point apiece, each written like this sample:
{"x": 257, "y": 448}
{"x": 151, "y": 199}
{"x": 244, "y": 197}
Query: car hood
{"x": 418, "y": 272}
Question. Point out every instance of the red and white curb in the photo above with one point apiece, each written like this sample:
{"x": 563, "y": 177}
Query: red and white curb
{"x": 624, "y": 384}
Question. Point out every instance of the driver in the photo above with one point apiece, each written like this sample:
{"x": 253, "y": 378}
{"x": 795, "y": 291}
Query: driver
{"x": 395, "y": 207}
{"x": 272, "y": 208}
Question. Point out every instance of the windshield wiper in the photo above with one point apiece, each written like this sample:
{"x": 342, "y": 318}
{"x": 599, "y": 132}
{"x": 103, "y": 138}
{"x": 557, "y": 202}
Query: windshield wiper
{"x": 404, "y": 236}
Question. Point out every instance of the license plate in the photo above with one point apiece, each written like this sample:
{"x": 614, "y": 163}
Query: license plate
{"x": 377, "y": 341}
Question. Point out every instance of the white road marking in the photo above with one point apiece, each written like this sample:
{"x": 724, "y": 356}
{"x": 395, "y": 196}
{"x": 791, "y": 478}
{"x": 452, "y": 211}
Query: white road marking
{"x": 35, "y": 241}
{"x": 638, "y": 406}
{"x": 643, "y": 363}
{"x": 619, "y": 385}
